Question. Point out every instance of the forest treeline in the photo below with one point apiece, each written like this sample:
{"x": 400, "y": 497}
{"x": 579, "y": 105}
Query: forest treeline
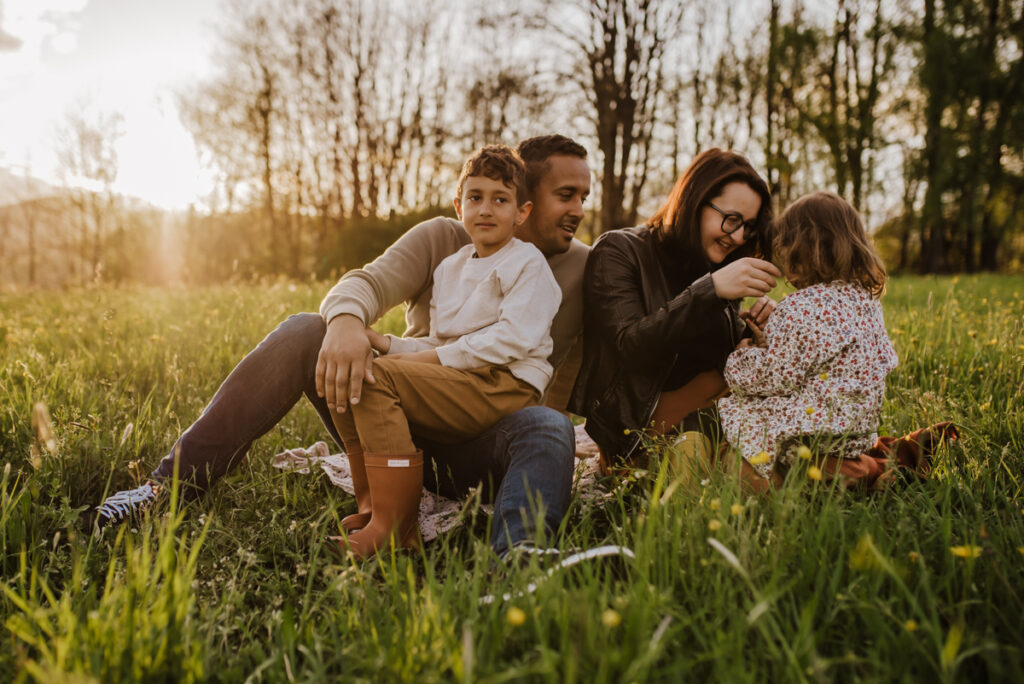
{"x": 333, "y": 124}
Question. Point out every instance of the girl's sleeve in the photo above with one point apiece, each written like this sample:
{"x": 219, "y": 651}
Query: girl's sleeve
{"x": 802, "y": 335}
{"x": 524, "y": 320}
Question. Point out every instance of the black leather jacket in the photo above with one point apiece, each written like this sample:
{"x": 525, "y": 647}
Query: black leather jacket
{"x": 634, "y": 334}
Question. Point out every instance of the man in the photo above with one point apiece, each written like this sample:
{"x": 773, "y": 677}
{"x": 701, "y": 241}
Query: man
{"x": 524, "y": 464}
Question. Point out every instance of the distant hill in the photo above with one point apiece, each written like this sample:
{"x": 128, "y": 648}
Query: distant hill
{"x": 15, "y": 188}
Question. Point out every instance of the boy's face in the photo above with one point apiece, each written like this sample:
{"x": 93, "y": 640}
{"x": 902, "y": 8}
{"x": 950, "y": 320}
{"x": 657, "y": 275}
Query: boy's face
{"x": 488, "y": 211}
{"x": 557, "y": 204}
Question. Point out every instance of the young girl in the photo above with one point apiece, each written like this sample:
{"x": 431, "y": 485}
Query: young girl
{"x": 817, "y": 375}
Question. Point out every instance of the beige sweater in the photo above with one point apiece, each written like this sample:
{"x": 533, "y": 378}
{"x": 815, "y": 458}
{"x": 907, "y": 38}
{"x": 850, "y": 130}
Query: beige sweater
{"x": 492, "y": 311}
{"x": 404, "y": 273}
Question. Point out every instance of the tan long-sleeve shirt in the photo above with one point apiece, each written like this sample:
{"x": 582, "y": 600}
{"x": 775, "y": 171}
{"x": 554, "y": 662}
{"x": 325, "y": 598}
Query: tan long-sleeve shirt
{"x": 404, "y": 273}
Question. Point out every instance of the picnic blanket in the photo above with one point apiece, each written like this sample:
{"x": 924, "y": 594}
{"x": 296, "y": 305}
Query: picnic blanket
{"x": 438, "y": 514}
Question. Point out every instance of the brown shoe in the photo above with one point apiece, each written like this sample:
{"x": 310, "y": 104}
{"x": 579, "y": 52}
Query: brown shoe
{"x": 357, "y": 521}
{"x": 395, "y": 481}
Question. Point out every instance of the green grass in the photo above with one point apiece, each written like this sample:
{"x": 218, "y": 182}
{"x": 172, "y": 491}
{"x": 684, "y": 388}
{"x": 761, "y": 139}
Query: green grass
{"x": 807, "y": 583}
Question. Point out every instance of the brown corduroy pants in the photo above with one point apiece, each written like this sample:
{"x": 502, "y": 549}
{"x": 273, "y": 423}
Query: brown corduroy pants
{"x": 445, "y": 405}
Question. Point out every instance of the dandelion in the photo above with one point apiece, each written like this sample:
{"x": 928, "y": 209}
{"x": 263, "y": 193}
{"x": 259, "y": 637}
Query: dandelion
{"x": 761, "y": 457}
{"x": 611, "y": 618}
{"x": 803, "y": 453}
{"x": 910, "y": 625}
{"x": 966, "y": 551}
{"x": 515, "y": 617}
{"x": 1021, "y": 549}
{"x": 809, "y": 410}
{"x": 714, "y": 525}
{"x": 736, "y": 509}
{"x": 814, "y": 472}
{"x": 626, "y": 431}
{"x": 823, "y": 376}
{"x": 715, "y": 504}
{"x": 972, "y": 333}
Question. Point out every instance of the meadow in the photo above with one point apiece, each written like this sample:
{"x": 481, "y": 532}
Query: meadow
{"x": 921, "y": 582}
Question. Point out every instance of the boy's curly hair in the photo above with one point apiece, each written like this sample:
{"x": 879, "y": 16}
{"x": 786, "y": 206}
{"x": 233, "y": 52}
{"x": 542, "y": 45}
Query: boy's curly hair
{"x": 497, "y": 162}
{"x": 820, "y": 238}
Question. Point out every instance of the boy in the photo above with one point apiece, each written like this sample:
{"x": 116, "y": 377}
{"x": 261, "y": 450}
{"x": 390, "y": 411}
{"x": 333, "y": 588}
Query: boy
{"x": 486, "y": 357}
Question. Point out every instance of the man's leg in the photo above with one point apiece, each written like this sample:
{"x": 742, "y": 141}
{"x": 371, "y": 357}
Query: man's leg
{"x": 524, "y": 463}
{"x": 255, "y": 396}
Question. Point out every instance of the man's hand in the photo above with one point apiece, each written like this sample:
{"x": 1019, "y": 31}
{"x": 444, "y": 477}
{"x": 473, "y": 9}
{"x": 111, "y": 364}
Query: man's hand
{"x": 345, "y": 360}
{"x": 760, "y": 311}
{"x": 748, "y": 277}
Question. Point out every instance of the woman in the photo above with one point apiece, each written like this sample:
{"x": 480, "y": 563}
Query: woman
{"x": 662, "y": 304}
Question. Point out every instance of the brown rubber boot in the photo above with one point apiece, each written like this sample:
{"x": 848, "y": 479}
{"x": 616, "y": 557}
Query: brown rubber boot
{"x": 396, "y": 481}
{"x": 357, "y": 521}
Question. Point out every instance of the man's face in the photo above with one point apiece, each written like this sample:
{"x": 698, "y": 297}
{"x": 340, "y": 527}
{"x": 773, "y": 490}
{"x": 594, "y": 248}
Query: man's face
{"x": 557, "y": 205}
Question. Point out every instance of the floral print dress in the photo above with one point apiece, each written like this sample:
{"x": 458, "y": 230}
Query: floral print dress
{"x": 822, "y": 374}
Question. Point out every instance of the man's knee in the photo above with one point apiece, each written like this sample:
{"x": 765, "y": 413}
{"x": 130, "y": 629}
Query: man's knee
{"x": 303, "y": 327}
{"x": 543, "y": 429}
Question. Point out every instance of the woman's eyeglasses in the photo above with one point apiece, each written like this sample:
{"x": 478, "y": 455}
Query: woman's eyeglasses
{"x": 732, "y": 221}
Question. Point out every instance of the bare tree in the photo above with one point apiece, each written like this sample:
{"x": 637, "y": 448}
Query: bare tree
{"x": 618, "y": 47}
{"x": 87, "y": 152}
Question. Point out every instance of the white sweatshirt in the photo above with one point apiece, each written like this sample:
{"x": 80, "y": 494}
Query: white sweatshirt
{"x": 492, "y": 311}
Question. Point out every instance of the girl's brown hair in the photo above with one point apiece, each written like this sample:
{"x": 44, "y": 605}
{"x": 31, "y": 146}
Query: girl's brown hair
{"x": 678, "y": 219}
{"x": 820, "y": 239}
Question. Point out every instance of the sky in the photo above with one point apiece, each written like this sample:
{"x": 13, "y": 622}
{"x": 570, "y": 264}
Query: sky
{"x": 126, "y": 56}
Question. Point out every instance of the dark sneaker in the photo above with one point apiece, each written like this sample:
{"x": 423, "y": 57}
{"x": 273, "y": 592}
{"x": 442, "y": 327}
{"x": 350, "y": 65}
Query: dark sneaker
{"x": 128, "y": 503}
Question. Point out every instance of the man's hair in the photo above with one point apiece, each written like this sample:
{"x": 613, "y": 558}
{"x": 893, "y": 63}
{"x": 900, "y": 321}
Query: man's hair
{"x": 677, "y": 222}
{"x": 500, "y": 163}
{"x": 820, "y": 238}
{"x": 535, "y": 152}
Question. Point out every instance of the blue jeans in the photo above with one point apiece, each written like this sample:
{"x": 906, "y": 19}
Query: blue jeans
{"x": 523, "y": 464}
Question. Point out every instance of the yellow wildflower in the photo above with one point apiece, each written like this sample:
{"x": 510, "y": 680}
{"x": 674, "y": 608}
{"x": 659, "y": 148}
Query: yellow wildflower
{"x": 515, "y": 617}
{"x": 714, "y": 525}
{"x": 910, "y": 625}
{"x": 1021, "y": 549}
{"x": 626, "y": 431}
{"x": 611, "y": 618}
{"x": 804, "y": 453}
{"x": 761, "y": 457}
{"x": 715, "y": 504}
{"x": 809, "y": 410}
{"x": 823, "y": 376}
{"x": 814, "y": 472}
{"x": 966, "y": 551}
{"x": 913, "y": 556}
{"x": 736, "y": 509}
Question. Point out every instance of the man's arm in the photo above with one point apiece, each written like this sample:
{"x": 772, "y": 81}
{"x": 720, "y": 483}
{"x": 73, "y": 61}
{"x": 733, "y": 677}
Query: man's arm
{"x": 362, "y": 296}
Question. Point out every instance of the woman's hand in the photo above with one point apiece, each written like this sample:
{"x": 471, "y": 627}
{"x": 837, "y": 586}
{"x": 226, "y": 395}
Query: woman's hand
{"x": 379, "y": 342}
{"x": 747, "y": 277}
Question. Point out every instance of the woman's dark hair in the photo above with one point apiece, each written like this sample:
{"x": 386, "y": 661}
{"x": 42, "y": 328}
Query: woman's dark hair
{"x": 821, "y": 239}
{"x": 678, "y": 220}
